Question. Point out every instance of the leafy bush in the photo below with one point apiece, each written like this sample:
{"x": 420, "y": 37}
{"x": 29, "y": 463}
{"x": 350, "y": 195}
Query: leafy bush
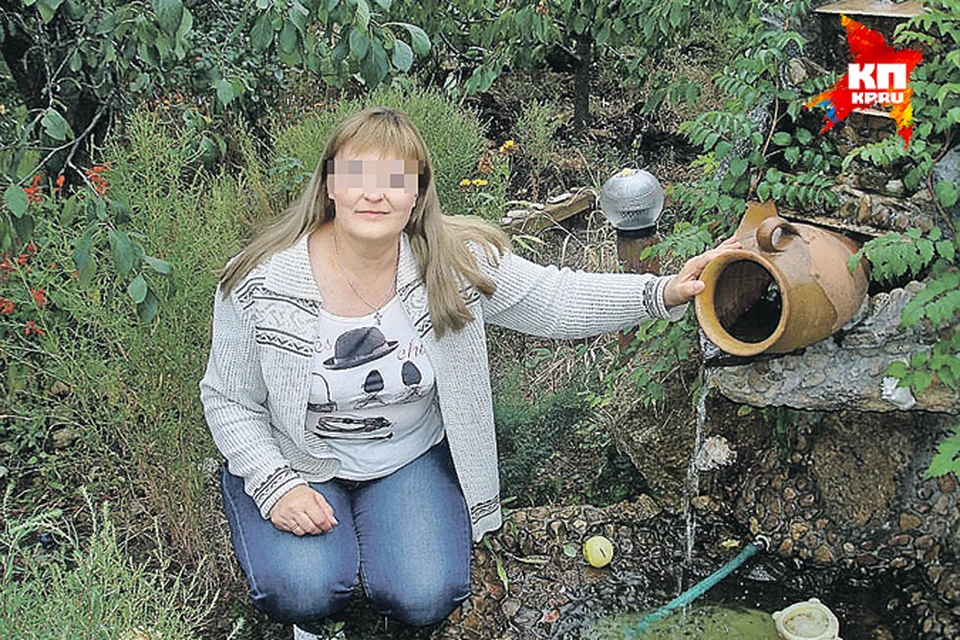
{"x": 96, "y": 395}
{"x": 537, "y": 125}
{"x": 938, "y": 303}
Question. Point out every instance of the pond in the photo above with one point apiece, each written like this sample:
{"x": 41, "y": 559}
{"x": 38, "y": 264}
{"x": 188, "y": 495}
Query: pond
{"x": 742, "y": 608}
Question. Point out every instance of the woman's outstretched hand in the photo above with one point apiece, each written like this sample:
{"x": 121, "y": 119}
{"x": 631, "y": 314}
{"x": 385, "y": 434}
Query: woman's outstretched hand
{"x": 303, "y": 511}
{"x": 685, "y": 284}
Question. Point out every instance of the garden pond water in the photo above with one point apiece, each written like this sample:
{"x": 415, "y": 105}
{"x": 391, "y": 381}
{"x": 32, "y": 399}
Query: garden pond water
{"x": 741, "y": 608}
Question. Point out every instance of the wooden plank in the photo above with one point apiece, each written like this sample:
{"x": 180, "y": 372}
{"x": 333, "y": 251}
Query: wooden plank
{"x": 878, "y": 8}
{"x": 876, "y": 113}
{"x": 534, "y": 218}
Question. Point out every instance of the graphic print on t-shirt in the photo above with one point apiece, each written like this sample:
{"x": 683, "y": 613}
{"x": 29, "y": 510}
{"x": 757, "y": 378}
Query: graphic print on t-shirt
{"x": 365, "y": 373}
{"x": 373, "y": 403}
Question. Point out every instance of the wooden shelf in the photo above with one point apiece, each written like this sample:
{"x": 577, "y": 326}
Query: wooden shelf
{"x": 878, "y": 8}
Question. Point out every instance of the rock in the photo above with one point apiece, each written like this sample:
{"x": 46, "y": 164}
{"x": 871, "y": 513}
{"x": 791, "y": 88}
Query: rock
{"x": 785, "y": 550}
{"x": 579, "y": 525}
{"x": 900, "y": 397}
{"x": 715, "y": 452}
{"x": 823, "y": 555}
{"x": 813, "y": 379}
{"x": 947, "y": 169}
{"x": 558, "y": 530}
{"x": 900, "y": 540}
{"x": 798, "y": 530}
{"x": 796, "y": 72}
{"x": 909, "y": 522}
{"x": 64, "y": 438}
{"x": 947, "y": 484}
{"x": 701, "y": 503}
{"x": 59, "y": 389}
{"x": 894, "y": 188}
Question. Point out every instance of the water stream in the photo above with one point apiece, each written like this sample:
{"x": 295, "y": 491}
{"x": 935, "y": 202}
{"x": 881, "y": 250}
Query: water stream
{"x": 693, "y": 475}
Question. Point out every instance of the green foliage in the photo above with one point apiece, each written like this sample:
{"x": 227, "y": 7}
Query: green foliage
{"x": 100, "y": 227}
{"x": 453, "y": 135}
{"x": 947, "y": 458}
{"x": 787, "y": 163}
{"x": 528, "y": 433}
{"x": 487, "y": 36}
{"x": 485, "y": 195}
{"x": 883, "y": 153}
{"x": 91, "y": 589}
{"x": 936, "y": 94}
{"x": 937, "y": 304}
{"x": 537, "y": 125}
{"x": 894, "y": 255}
{"x": 661, "y": 347}
{"x": 76, "y": 65}
{"x": 686, "y": 241}
{"x": 801, "y": 190}
{"x": 96, "y": 395}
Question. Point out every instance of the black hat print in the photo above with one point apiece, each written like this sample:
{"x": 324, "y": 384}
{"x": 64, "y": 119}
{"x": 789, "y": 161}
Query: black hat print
{"x": 359, "y": 346}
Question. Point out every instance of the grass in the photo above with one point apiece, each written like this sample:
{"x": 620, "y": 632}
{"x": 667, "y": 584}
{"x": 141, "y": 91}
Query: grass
{"x": 53, "y": 585}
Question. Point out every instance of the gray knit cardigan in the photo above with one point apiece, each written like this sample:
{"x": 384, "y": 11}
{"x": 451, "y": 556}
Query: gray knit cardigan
{"x": 256, "y": 384}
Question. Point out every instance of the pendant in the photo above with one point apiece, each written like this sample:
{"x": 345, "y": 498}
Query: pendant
{"x": 376, "y": 316}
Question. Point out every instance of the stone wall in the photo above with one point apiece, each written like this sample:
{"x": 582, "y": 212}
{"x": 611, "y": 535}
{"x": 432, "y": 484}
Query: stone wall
{"x": 845, "y": 371}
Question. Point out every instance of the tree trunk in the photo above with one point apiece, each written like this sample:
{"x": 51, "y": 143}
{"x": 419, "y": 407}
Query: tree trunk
{"x": 581, "y": 84}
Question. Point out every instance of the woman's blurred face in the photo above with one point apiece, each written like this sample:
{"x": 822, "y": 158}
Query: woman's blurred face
{"x": 373, "y": 193}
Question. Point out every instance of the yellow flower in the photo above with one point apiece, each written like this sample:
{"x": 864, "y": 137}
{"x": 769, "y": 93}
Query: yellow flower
{"x": 465, "y": 182}
{"x": 508, "y": 147}
{"x": 479, "y": 182}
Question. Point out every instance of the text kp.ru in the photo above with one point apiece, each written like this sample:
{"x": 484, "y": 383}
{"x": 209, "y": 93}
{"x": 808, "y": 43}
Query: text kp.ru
{"x": 883, "y": 83}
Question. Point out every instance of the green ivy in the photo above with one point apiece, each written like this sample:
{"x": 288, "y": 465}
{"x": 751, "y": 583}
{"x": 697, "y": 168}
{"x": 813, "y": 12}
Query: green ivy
{"x": 947, "y": 458}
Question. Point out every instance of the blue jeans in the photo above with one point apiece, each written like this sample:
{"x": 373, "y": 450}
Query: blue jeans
{"x": 405, "y": 536}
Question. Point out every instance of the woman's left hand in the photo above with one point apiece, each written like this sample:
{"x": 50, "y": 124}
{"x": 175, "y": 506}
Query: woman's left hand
{"x": 685, "y": 284}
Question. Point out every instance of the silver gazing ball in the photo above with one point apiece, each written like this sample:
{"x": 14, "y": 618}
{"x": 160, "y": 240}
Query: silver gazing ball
{"x": 632, "y": 200}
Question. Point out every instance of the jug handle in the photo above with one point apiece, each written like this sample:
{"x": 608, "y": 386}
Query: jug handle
{"x": 767, "y": 238}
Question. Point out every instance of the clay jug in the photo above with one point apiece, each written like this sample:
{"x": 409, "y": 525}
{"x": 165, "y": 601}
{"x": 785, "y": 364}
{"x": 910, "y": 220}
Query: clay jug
{"x": 788, "y": 287}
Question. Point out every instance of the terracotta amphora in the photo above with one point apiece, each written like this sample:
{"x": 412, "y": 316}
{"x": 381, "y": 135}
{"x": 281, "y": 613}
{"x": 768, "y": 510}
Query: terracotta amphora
{"x": 788, "y": 288}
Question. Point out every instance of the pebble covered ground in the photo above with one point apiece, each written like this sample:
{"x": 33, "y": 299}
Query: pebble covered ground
{"x": 530, "y": 580}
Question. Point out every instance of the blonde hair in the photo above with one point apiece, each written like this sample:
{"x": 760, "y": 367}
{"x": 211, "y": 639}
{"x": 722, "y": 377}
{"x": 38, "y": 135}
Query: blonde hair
{"x": 440, "y": 243}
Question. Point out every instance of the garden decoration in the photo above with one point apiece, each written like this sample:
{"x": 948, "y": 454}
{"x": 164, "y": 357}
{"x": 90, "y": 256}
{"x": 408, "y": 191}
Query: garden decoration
{"x": 632, "y": 201}
{"x": 788, "y": 288}
{"x": 810, "y": 620}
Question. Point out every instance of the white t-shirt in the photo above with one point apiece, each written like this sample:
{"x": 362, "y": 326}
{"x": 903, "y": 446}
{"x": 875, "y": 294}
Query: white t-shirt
{"x": 373, "y": 395}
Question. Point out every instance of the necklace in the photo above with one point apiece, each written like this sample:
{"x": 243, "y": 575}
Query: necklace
{"x": 377, "y": 315}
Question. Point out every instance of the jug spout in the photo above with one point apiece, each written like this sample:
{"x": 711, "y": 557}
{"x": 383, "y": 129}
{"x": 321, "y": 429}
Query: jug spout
{"x": 786, "y": 289}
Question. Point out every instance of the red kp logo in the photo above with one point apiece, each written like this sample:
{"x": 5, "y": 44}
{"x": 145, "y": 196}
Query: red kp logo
{"x": 879, "y": 75}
